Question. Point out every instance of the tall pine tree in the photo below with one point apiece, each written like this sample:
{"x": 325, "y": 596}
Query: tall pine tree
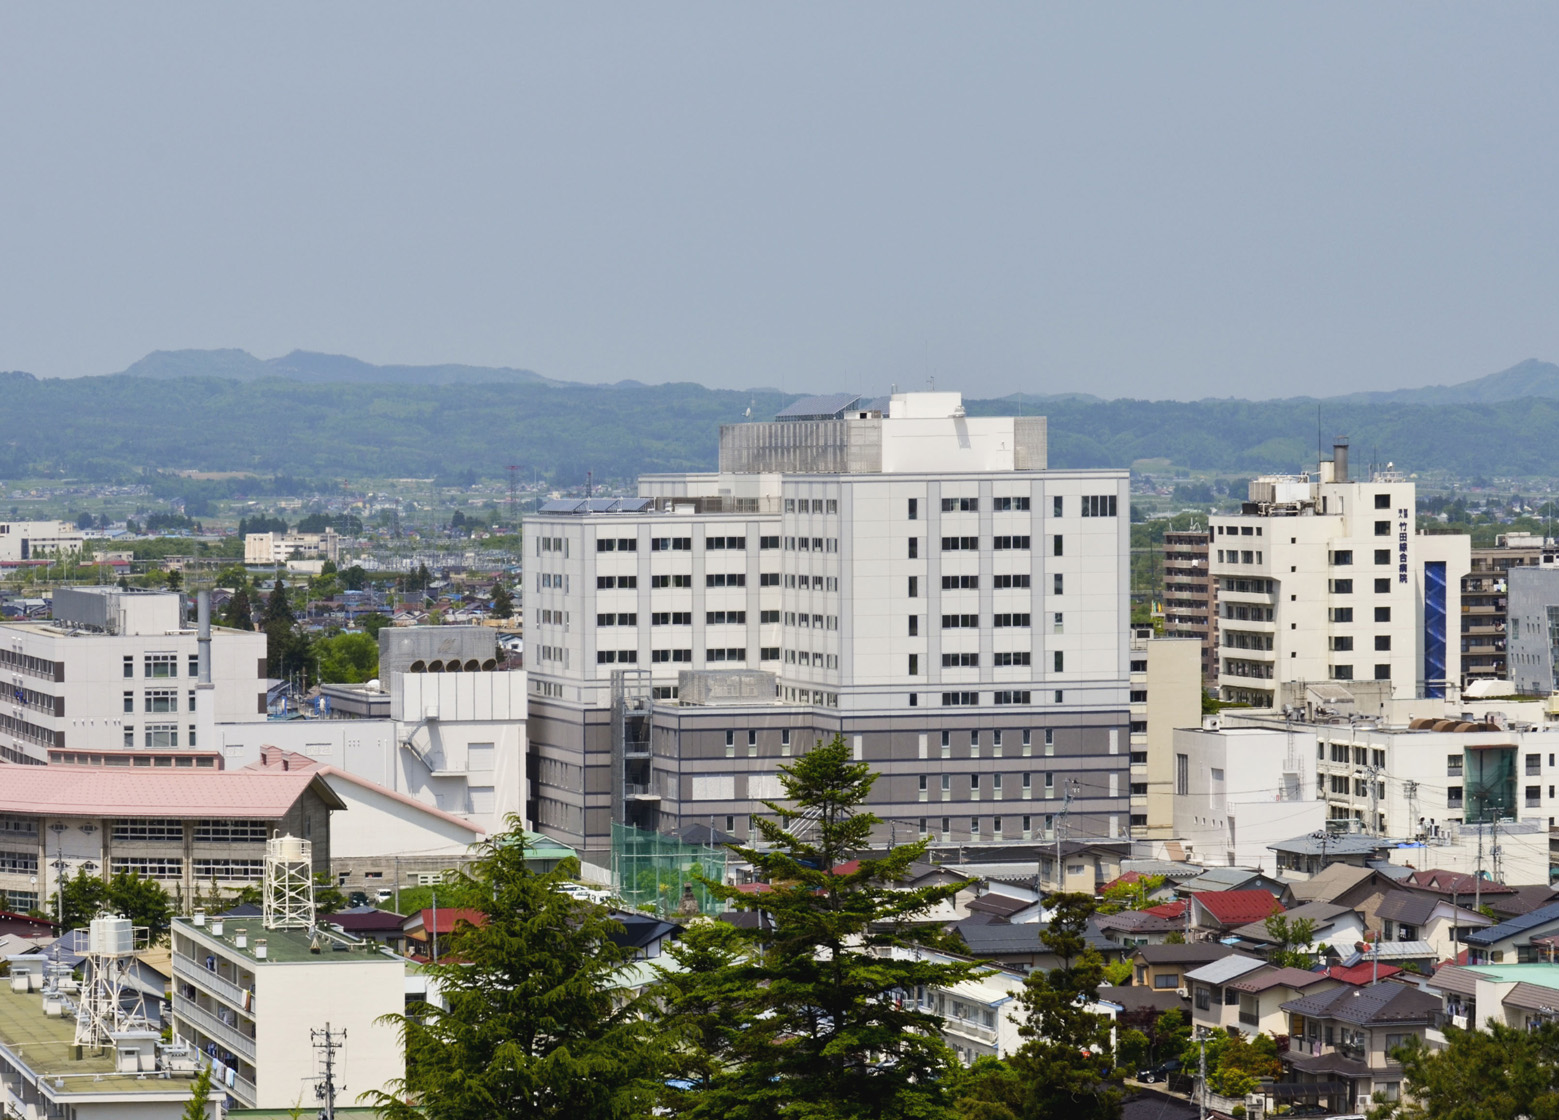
{"x": 536, "y": 1027}
{"x": 819, "y": 998}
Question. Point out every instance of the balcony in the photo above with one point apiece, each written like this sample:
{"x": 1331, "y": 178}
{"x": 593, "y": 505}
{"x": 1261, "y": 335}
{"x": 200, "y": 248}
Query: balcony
{"x": 214, "y": 984}
{"x": 225, "y": 1033}
{"x": 635, "y": 792}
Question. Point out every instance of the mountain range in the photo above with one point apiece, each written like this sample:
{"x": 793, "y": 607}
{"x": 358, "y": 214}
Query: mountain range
{"x": 307, "y": 416}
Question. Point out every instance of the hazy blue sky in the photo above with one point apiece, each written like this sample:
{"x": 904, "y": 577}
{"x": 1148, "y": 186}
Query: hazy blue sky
{"x": 1125, "y": 199}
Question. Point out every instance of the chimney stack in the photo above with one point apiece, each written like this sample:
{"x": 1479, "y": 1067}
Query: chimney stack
{"x": 1340, "y": 459}
{"x": 203, "y": 635}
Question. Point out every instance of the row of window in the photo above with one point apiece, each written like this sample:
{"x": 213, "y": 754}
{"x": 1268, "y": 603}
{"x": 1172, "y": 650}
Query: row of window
{"x": 972, "y": 621}
{"x": 1344, "y": 642}
{"x": 1004, "y": 660}
{"x": 1093, "y": 505}
{"x": 811, "y": 505}
{"x": 15, "y": 662}
{"x": 1342, "y": 557}
{"x": 158, "y": 700}
{"x": 675, "y": 544}
{"x": 158, "y": 735}
{"x": 1345, "y": 614}
{"x": 1345, "y": 672}
{"x": 1345, "y": 586}
{"x": 811, "y": 544}
{"x": 998, "y": 543}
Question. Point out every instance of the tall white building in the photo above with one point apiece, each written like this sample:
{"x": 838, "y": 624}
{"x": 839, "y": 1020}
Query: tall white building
{"x": 898, "y": 572}
{"x": 37, "y": 540}
{"x": 1327, "y": 579}
{"x": 115, "y": 670}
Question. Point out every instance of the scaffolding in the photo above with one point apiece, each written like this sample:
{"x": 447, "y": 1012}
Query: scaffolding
{"x": 634, "y": 800}
{"x": 658, "y": 874}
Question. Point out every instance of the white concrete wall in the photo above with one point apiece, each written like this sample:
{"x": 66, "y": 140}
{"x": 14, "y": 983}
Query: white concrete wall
{"x": 1245, "y": 789}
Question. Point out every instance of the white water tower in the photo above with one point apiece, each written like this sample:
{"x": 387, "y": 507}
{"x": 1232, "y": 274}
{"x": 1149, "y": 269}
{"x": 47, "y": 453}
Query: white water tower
{"x": 288, "y": 901}
{"x": 109, "y": 1001}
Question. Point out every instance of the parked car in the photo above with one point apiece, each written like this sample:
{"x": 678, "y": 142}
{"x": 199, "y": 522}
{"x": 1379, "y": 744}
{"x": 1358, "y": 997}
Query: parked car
{"x": 1161, "y": 1072}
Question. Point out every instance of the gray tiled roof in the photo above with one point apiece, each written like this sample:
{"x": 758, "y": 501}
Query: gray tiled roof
{"x": 1515, "y": 927}
{"x": 1376, "y": 1003}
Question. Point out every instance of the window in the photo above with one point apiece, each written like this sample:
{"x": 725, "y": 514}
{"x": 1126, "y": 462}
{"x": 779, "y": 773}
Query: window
{"x": 129, "y": 666}
{"x": 914, "y": 625}
{"x": 229, "y": 870}
{"x": 1382, "y": 614}
{"x": 1056, "y": 583}
{"x": 914, "y": 509}
{"x": 1003, "y": 582}
{"x": 1056, "y": 546}
{"x": 1182, "y": 775}
{"x": 1005, "y": 660}
{"x": 1382, "y": 671}
{"x": 960, "y": 583}
{"x": 671, "y": 544}
{"x": 162, "y": 735}
{"x": 1383, "y": 641}
{"x": 960, "y": 544}
{"x": 1341, "y": 557}
{"x": 235, "y": 831}
{"x": 1055, "y": 507}
{"x": 725, "y": 655}
{"x": 1342, "y": 672}
{"x": 1382, "y": 586}
{"x": 1060, "y": 661}
{"x": 722, "y": 618}
{"x": 1006, "y": 620}
{"x": 1011, "y": 697}
{"x": 768, "y": 616}
{"x": 150, "y": 867}
{"x": 616, "y": 656}
{"x": 149, "y": 829}
{"x": 914, "y": 548}
{"x": 1342, "y": 587}
{"x": 1006, "y": 505}
{"x": 162, "y": 665}
{"x": 960, "y": 621}
{"x": 960, "y": 660}
{"x": 619, "y": 544}
{"x": 768, "y": 579}
{"x": 725, "y": 579}
{"x": 162, "y": 700}
{"x": 914, "y": 664}
{"x": 1382, "y": 501}
{"x": 960, "y": 699}
{"x": 765, "y": 543}
{"x": 671, "y": 618}
{"x": 768, "y": 653}
{"x": 1005, "y": 544}
{"x": 1340, "y": 614}
{"x": 129, "y": 701}
{"x": 1166, "y": 980}
{"x": 1099, "y": 505}
{"x": 194, "y": 664}
{"x": 962, "y": 505}
{"x": 1342, "y": 643}
{"x": 914, "y": 586}
{"x": 729, "y": 544}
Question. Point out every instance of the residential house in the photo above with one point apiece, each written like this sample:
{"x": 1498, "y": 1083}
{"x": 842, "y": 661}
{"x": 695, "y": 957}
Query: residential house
{"x": 1236, "y": 879}
{"x": 368, "y": 923}
{"x": 1216, "y": 913}
{"x": 1417, "y": 916}
{"x": 1518, "y": 995}
{"x": 1230, "y": 994}
{"x": 1335, "y": 929}
{"x": 423, "y": 930}
{"x": 1164, "y": 967}
{"x": 1512, "y": 941}
{"x": 1469, "y": 890}
{"x": 1357, "y": 888}
{"x": 1130, "y": 928}
{"x": 1341, "y": 1042}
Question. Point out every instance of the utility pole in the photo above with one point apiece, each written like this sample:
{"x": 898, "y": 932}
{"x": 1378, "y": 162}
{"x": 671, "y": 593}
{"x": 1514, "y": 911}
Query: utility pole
{"x": 1201, "y": 1079}
{"x": 326, "y": 1089}
{"x": 1477, "y": 880}
{"x": 1072, "y": 786}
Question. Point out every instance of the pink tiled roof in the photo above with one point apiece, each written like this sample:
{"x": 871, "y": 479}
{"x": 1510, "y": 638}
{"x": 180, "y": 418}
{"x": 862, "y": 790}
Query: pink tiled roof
{"x": 1166, "y": 910}
{"x": 1361, "y": 974}
{"x": 275, "y": 760}
{"x": 95, "y": 791}
{"x": 1238, "y": 908}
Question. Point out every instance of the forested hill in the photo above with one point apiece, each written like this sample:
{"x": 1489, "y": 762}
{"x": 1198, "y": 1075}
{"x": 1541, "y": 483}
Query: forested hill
{"x": 109, "y": 427}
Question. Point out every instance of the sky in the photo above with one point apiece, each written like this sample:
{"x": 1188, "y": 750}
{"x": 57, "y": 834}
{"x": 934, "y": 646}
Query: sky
{"x": 1126, "y": 199}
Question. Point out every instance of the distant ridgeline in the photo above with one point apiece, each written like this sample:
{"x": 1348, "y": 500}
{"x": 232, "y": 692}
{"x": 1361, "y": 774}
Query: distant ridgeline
{"x": 321, "y": 416}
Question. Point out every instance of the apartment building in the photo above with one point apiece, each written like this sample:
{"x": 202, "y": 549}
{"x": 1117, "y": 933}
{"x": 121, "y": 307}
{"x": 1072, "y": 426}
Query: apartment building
{"x": 250, "y": 992}
{"x": 1191, "y": 595}
{"x": 897, "y": 572}
{"x": 23, "y": 541}
{"x": 1166, "y": 693}
{"x": 116, "y": 670}
{"x": 1487, "y": 606}
{"x": 1326, "y": 579}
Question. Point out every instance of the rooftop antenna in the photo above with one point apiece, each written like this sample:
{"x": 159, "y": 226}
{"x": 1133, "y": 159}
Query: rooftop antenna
{"x": 514, "y": 493}
{"x": 288, "y": 901}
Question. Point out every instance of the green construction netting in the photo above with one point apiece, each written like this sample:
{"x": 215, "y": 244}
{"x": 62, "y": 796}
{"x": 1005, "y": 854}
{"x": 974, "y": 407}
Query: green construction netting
{"x": 653, "y": 872}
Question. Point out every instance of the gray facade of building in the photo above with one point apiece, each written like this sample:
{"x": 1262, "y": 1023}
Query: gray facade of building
{"x": 1533, "y": 629}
